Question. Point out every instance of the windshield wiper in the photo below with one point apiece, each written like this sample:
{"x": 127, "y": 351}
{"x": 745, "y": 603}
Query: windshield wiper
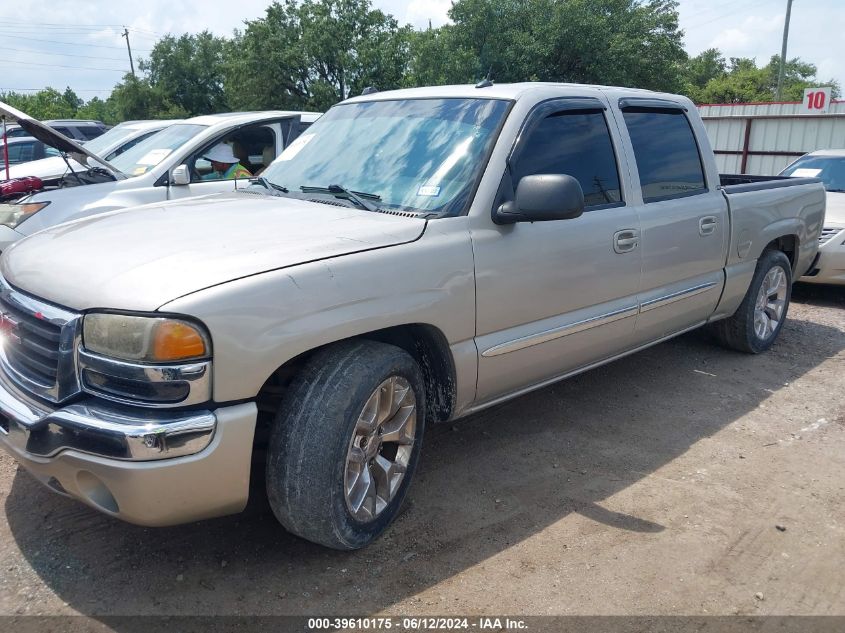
{"x": 261, "y": 180}
{"x": 837, "y": 190}
{"x": 358, "y": 197}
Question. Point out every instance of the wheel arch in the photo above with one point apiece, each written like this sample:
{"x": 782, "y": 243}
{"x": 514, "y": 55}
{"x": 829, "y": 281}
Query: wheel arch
{"x": 424, "y": 342}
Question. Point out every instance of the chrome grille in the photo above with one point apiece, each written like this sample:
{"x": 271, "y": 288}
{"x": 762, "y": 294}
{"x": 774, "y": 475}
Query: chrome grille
{"x": 828, "y": 233}
{"x": 31, "y": 344}
{"x": 38, "y": 345}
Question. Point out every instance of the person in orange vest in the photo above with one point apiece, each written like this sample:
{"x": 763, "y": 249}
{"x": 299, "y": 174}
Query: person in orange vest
{"x": 225, "y": 164}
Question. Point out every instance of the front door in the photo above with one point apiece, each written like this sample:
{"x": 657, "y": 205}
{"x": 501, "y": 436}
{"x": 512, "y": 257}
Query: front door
{"x": 559, "y": 295}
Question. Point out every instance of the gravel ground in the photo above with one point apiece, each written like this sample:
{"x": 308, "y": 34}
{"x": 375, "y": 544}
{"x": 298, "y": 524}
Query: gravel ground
{"x": 683, "y": 480}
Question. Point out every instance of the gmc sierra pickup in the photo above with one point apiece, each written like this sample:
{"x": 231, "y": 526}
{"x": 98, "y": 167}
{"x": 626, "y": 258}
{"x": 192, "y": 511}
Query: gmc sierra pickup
{"x": 415, "y": 256}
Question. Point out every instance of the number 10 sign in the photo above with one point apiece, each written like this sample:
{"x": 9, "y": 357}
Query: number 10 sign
{"x": 816, "y": 100}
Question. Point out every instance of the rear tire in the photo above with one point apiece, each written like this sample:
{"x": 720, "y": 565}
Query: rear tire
{"x": 756, "y": 324}
{"x": 345, "y": 443}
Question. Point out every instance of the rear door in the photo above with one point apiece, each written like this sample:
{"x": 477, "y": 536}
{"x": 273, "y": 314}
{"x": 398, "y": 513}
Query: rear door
{"x": 683, "y": 218}
{"x": 555, "y": 296}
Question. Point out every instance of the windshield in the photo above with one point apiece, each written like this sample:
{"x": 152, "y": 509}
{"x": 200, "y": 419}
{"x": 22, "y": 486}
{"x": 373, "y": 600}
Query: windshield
{"x": 151, "y": 151}
{"x": 420, "y": 154}
{"x": 114, "y": 137}
{"x": 830, "y": 169}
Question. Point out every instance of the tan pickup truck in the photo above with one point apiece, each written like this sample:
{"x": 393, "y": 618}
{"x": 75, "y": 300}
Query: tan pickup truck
{"x": 415, "y": 256}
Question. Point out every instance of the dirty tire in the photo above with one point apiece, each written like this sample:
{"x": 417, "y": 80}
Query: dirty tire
{"x": 310, "y": 439}
{"x": 738, "y": 332}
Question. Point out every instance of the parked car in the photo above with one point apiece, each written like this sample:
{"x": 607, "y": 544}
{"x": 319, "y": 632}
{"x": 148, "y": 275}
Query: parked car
{"x": 23, "y": 149}
{"x": 829, "y": 166}
{"x": 108, "y": 146}
{"x": 166, "y": 166}
{"x": 416, "y": 256}
{"x": 80, "y": 130}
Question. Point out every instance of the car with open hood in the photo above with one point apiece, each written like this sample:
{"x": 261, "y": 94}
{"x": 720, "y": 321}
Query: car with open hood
{"x": 168, "y": 165}
{"x": 52, "y": 168}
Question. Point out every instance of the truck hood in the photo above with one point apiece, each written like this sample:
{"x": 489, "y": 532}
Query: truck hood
{"x": 142, "y": 258}
{"x": 834, "y": 214}
{"x": 49, "y": 136}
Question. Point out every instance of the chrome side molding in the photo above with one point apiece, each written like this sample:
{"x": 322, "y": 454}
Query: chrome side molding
{"x": 601, "y": 319}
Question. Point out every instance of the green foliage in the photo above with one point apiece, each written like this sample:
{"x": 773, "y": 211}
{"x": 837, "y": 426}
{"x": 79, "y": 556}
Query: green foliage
{"x": 313, "y": 54}
{"x": 310, "y": 54}
{"x": 44, "y": 104}
{"x": 188, "y": 72}
{"x": 710, "y": 80}
{"x": 617, "y": 42}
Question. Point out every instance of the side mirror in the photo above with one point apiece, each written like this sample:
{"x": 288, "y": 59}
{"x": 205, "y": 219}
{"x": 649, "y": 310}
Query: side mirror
{"x": 180, "y": 175}
{"x": 541, "y": 198}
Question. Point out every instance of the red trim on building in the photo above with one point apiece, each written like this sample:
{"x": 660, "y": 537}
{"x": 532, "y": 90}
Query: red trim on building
{"x": 757, "y": 103}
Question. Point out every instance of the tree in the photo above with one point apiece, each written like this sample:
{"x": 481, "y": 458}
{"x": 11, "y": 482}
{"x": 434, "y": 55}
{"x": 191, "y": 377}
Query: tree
{"x": 137, "y": 99}
{"x": 620, "y": 42}
{"x": 744, "y": 82}
{"x": 188, "y": 72}
{"x": 44, "y": 104}
{"x": 313, "y": 54}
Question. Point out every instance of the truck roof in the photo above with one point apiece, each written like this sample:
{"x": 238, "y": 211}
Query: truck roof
{"x": 512, "y": 91}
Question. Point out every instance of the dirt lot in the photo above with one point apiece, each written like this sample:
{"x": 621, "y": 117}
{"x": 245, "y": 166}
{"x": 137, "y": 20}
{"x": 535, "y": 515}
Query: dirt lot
{"x": 654, "y": 485}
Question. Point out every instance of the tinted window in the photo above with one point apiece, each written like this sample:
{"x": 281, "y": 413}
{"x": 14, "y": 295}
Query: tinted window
{"x": 66, "y": 131}
{"x": 89, "y": 131}
{"x": 20, "y": 152}
{"x": 666, "y": 153}
{"x": 576, "y": 143}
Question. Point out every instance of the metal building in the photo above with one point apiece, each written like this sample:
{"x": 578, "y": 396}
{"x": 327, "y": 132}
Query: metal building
{"x": 763, "y": 138}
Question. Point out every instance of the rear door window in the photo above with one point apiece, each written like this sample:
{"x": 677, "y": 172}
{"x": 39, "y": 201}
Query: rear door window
{"x": 666, "y": 153}
{"x": 576, "y": 143}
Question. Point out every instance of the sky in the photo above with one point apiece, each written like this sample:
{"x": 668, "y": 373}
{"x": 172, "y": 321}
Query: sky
{"x": 79, "y": 43}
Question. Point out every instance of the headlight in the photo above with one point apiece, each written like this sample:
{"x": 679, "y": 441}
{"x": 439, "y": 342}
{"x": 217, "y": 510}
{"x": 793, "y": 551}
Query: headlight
{"x": 145, "y": 339}
{"x": 13, "y": 214}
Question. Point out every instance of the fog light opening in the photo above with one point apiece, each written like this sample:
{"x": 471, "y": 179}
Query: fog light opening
{"x": 93, "y": 489}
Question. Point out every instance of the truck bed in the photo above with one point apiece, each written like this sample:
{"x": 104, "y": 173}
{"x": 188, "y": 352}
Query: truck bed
{"x": 741, "y": 183}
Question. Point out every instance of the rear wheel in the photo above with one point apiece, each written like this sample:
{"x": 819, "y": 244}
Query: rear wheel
{"x": 345, "y": 443}
{"x": 755, "y": 325}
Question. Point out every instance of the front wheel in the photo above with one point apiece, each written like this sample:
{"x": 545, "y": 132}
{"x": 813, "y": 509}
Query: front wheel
{"x": 755, "y": 325}
{"x": 345, "y": 443}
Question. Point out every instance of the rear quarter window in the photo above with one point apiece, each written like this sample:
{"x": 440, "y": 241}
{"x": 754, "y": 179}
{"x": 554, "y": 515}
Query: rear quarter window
{"x": 666, "y": 153}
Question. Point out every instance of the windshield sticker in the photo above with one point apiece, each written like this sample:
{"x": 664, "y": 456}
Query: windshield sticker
{"x": 139, "y": 171}
{"x": 428, "y": 190}
{"x": 155, "y": 156}
{"x": 294, "y": 148}
{"x": 806, "y": 173}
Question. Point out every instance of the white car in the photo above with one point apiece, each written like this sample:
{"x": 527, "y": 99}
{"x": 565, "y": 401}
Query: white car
{"x": 168, "y": 165}
{"x": 108, "y": 146}
{"x": 829, "y": 166}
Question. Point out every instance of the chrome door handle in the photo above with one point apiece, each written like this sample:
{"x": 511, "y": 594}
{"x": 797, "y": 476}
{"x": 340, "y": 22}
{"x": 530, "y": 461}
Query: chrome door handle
{"x": 626, "y": 240}
{"x": 707, "y": 225}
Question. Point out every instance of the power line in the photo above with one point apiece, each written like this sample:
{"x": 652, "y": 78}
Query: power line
{"x": 35, "y": 39}
{"x": 60, "y": 54}
{"x": 58, "y": 26}
{"x": 17, "y": 63}
{"x": 39, "y": 89}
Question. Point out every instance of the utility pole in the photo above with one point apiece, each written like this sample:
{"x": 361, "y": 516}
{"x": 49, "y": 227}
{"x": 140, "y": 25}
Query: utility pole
{"x": 132, "y": 66}
{"x": 782, "y": 69}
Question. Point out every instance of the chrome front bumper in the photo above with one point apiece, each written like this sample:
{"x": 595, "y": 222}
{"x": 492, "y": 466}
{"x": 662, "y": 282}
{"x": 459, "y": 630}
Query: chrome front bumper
{"x": 146, "y": 467}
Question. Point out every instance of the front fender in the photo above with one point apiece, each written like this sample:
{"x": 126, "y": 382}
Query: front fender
{"x": 260, "y": 322}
